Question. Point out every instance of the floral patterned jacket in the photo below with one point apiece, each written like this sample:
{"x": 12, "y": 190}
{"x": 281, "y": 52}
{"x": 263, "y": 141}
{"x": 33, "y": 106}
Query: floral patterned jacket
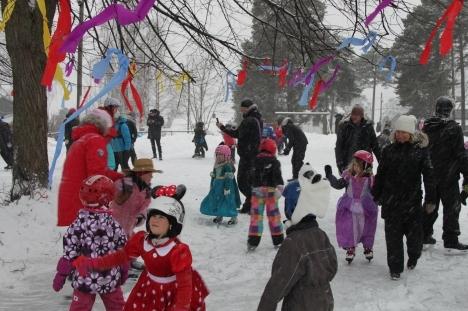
{"x": 94, "y": 233}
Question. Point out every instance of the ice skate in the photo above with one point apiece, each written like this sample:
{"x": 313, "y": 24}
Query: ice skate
{"x": 232, "y": 221}
{"x": 369, "y": 254}
{"x": 350, "y": 254}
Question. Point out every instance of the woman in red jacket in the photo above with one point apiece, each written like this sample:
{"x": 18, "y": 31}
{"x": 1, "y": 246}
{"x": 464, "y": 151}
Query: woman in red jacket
{"x": 168, "y": 282}
{"x": 86, "y": 157}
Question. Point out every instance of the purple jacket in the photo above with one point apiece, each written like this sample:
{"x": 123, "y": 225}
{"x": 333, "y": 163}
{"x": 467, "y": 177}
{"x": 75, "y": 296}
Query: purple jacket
{"x": 94, "y": 233}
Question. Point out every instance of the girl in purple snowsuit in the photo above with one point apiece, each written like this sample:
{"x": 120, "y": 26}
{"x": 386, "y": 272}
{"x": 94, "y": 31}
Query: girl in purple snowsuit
{"x": 356, "y": 213}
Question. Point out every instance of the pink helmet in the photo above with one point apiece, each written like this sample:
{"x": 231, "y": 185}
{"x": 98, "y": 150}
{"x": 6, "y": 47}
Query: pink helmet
{"x": 223, "y": 150}
{"x": 364, "y": 156}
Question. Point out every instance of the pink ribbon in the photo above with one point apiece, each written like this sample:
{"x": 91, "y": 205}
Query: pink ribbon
{"x": 119, "y": 12}
{"x": 377, "y": 10}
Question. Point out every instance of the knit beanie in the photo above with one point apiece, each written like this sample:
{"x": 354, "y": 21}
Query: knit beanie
{"x": 406, "y": 124}
{"x": 246, "y": 103}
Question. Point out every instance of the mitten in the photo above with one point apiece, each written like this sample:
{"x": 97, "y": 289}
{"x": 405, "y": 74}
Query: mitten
{"x": 227, "y": 191}
{"x": 328, "y": 170}
{"x": 64, "y": 268}
{"x": 430, "y": 207}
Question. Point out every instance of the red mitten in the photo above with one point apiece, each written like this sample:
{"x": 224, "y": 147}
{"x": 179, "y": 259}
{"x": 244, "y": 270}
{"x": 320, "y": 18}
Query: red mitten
{"x": 82, "y": 265}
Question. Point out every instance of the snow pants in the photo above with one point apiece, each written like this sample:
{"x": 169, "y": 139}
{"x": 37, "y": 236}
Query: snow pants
{"x": 450, "y": 197}
{"x": 84, "y": 301}
{"x": 121, "y": 158}
{"x": 297, "y": 160}
{"x": 264, "y": 198}
{"x": 397, "y": 226}
{"x": 156, "y": 141}
{"x": 244, "y": 180}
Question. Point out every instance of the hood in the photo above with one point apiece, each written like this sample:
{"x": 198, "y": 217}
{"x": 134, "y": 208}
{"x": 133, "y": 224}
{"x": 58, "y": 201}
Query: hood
{"x": 314, "y": 196}
{"x": 80, "y": 131}
{"x": 253, "y": 112}
{"x": 418, "y": 138}
{"x": 435, "y": 123}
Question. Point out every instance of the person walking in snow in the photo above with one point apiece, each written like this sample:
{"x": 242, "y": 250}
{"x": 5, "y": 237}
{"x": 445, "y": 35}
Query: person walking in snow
{"x": 297, "y": 141}
{"x": 449, "y": 158}
{"x": 199, "y": 140}
{"x": 122, "y": 143}
{"x": 6, "y": 144}
{"x": 223, "y": 200}
{"x": 168, "y": 282}
{"x": 248, "y": 134}
{"x": 93, "y": 233}
{"x": 384, "y": 138}
{"x": 87, "y": 156}
{"x": 355, "y": 133}
{"x": 131, "y": 124}
{"x": 155, "y": 123}
{"x": 69, "y": 127}
{"x": 267, "y": 188}
{"x": 306, "y": 262}
{"x": 397, "y": 188}
{"x": 356, "y": 212}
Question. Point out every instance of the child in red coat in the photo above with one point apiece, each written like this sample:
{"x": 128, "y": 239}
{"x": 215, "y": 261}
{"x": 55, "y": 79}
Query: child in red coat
{"x": 168, "y": 281}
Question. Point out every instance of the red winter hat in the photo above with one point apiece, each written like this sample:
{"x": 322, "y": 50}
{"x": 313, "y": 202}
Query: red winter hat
{"x": 268, "y": 145}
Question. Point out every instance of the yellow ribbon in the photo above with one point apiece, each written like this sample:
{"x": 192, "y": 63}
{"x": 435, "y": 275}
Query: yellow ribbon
{"x": 7, "y": 11}
{"x": 58, "y": 76}
{"x": 159, "y": 81}
{"x": 180, "y": 81}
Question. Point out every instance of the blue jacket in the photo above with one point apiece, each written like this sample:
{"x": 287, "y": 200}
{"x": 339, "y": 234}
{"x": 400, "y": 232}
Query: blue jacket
{"x": 291, "y": 195}
{"x": 123, "y": 142}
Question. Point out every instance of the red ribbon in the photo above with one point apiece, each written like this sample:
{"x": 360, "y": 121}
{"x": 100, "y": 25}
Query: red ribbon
{"x": 446, "y": 39}
{"x": 242, "y": 75}
{"x": 85, "y": 97}
{"x": 314, "y": 99}
{"x": 168, "y": 191}
{"x": 283, "y": 72}
{"x": 135, "y": 94}
{"x": 55, "y": 56}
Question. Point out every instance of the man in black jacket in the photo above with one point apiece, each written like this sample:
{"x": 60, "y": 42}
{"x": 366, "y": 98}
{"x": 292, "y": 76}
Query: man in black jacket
{"x": 248, "y": 136}
{"x": 155, "y": 123}
{"x": 296, "y": 141}
{"x": 354, "y": 134}
{"x": 131, "y": 123}
{"x": 6, "y": 145}
{"x": 449, "y": 159}
{"x": 69, "y": 127}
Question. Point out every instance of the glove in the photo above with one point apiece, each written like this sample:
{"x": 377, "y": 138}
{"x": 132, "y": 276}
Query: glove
{"x": 286, "y": 151}
{"x": 227, "y": 191}
{"x": 429, "y": 207}
{"x": 59, "y": 281}
{"x": 328, "y": 170}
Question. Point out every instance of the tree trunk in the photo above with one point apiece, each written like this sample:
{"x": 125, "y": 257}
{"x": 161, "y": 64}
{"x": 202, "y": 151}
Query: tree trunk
{"x": 26, "y": 50}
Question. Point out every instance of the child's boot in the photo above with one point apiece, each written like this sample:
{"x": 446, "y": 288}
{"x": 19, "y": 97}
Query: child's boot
{"x": 350, "y": 253}
{"x": 369, "y": 254}
{"x": 232, "y": 221}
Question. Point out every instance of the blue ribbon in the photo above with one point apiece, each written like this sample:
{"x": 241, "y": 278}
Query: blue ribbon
{"x": 393, "y": 63}
{"x": 230, "y": 84}
{"x": 99, "y": 70}
{"x": 366, "y": 43}
{"x": 304, "y": 100}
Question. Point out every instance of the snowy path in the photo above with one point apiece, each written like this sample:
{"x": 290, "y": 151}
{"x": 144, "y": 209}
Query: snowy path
{"x": 31, "y": 244}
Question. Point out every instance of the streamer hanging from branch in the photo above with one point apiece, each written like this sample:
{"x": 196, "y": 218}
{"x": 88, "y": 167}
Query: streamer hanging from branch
{"x": 7, "y": 11}
{"x": 306, "y": 93}
{"x": 446, "y": 39}
{"x": 242, "y": 74}
{"x": 393, "y": 63}
{"x": 117, "y": 78}
{"x": 119, "y": 12}
{"x": 136, "y": 96}
{"x": 366, "y": 43}
{"x": 382, "y": 5}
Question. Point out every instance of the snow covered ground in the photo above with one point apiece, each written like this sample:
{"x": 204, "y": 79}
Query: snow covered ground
{"x": 30, "y": 246}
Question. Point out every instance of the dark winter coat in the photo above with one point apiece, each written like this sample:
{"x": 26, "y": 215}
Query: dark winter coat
{"x": 199, "y": 137}
{"x": 86, "y": 157}
{"x": 397, "y": 184}
{"x": 446, "y": 149}
{"x": 155, "y": 122}
{"x": 248, "y": 134}
{"x": 384, "y": 139}
{"x": 5, "y": 136}
{"x": 296, "y": 137}
{"x": 133, "y": 130}
{"x": 351, "y": 138}
{"x": 267, "y": 171}
{"x": 302, "y": 271}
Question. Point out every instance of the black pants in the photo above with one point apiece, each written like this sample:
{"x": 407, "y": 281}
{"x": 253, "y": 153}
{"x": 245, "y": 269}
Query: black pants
{"x": 156, "y": 138}
{"x": 244, "y": 179}
{"x": 133, "y": 155}
{"x": 409, "y": 225}
{"x": 7, "y": 155}
{"x": 450, "y": 197}
{"x": 297, "y": 160}
{"x": 121, "y": 158}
